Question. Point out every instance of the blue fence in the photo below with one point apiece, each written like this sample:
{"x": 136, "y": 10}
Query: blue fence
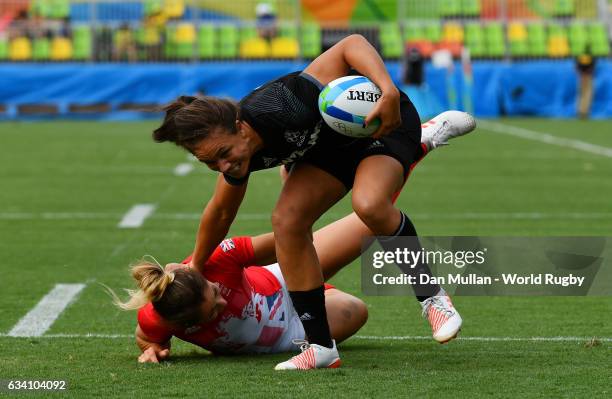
{"x": 132, "y": 12}
{"x": 539, "y": 88}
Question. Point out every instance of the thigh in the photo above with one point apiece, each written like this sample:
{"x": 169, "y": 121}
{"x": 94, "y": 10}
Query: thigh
{"x": 377, "y": 179}
{"x": 307, "y": 193}
{"x": 404, "y": 143}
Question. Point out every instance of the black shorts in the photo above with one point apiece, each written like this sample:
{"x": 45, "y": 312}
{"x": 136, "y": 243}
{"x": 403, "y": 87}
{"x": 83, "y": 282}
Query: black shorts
{"x": 403, "y": 144}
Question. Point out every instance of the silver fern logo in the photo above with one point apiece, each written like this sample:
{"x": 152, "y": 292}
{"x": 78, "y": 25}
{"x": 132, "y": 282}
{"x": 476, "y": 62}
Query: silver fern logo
{"x": 314, "y": 136}
{"x": 297, "y": 137}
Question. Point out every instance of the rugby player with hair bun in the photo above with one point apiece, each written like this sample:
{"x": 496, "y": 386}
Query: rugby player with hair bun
{"x": 279, "y": 124}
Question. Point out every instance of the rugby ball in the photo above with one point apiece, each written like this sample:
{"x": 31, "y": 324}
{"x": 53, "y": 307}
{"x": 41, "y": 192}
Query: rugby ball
{"x": 345, "y": 102}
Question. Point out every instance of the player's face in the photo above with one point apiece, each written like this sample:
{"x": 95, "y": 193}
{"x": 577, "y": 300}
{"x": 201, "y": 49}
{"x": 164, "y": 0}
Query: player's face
{"x": 225, "y": 152}
{"x": 213, "y": 302}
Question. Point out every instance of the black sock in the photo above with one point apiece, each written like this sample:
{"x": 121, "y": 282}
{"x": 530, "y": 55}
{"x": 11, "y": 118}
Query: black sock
{"x": 406, "y": 228}
{"x": 310, "y": 307}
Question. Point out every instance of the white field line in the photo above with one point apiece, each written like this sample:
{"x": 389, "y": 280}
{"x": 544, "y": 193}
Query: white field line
{"x": 58, "y": 215}
{"x": 183, "y": 169}
{"x": 545, "y": 138}
{"x": 38, "y": 320}
{"x": 373, "y": 338}
{"x": 486, "y": 339}
{"x": 331, "y": 216}
{"x": 136, "y": 216}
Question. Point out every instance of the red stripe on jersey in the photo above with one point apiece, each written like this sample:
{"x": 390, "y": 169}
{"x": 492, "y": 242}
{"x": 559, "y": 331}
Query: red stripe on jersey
{"x": 269, "y": 336}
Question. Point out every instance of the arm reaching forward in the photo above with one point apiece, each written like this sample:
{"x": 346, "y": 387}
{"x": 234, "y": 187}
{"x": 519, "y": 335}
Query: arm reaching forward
{"x": 216, "y": 220}
{"x": 152, "y": 352}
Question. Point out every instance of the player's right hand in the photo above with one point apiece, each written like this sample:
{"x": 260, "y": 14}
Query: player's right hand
{"x": 154, "y": 355}
{"x": 387, "y": 108}
{"x": 170, "y": 267}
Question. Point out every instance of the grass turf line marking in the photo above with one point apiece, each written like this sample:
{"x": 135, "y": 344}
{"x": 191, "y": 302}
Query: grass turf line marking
{"x": 368, "y": 338}
{"x": 38, "y": 320}
{"x": 545, "y": 138}
{"x": 183, "y": 169}
{"x": 136, "y": 216}
{"x": 484, "y": 339}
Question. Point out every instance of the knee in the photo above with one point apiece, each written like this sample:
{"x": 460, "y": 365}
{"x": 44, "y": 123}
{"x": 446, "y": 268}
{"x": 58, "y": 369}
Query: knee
{"x": 370, "y": 210}
{"x": 356, "y": 311}
{"x": 289, "y": 221}
{"x": 361, "y": 312}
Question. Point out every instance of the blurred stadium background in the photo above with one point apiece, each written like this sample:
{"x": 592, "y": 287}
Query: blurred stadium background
{"x": 121, "y": 59}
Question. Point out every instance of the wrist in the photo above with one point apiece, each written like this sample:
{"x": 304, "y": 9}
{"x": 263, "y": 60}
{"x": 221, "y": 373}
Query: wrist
{"x": 196, "y": 262}
{"x": 390, "y": 91}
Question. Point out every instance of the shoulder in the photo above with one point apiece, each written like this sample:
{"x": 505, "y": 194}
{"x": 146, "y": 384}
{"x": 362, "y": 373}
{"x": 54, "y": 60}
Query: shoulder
{"x": 235, "y": 251}
{"x": 148, "y": 316}
{"x": 290, "y": 101}
{"x": 279, "y": 91}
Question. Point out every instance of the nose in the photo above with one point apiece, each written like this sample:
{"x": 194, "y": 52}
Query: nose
{"x": 224, "y": 165}
{"x": 222, "y": 302}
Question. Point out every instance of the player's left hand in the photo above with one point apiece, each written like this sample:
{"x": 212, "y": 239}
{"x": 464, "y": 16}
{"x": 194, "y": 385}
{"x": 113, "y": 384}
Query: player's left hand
{"x": 387, "y": 108}
{"x": 154, "y": 354}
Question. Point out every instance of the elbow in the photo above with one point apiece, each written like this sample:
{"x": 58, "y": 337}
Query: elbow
{"x": 356, "y": 38}
{"x": 353, "y": 46}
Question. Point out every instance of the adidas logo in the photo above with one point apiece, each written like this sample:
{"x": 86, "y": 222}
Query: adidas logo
{"x": 306, "y": 316}
{"x": 375, "y": 144}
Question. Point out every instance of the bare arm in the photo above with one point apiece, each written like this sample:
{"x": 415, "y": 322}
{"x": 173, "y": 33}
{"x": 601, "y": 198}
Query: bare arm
{"x": 152, "y": 352}
{"x": 355, "y": 52}
{"x": 216, "y": 219}
{"x": 263, "y": 247}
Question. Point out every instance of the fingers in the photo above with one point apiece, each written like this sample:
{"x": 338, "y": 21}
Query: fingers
{"x": 386, "y": 128}
{"x": 372, "y": 115}
{"x": 378, "y": 133}
{"x": 148, "y": 356}
{"x": 163, "y": 354}
{"x": 151, "y": 356}
{"x": 388, "y": 111}
{"x": 170, "y": 267}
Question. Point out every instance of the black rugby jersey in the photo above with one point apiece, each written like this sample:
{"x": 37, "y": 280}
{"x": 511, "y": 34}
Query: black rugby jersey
{"x": 285, "y": 114}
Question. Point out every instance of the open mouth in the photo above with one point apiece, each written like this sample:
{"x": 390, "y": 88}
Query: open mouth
{"x": 234, "y": 171}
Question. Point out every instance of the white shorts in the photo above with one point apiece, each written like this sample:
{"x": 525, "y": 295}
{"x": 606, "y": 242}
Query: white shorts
{"x": 294, "y": 330}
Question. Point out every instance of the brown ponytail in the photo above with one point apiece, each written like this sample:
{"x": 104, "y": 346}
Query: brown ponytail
{"x": 191, "y": 119}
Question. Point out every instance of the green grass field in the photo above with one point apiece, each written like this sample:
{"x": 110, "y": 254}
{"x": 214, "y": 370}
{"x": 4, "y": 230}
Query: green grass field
{"x": 66, "y": 185}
